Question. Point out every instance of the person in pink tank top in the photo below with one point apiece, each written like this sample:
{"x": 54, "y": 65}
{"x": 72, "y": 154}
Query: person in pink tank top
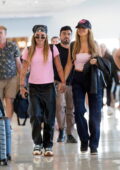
{"x": 39, "y": 59}
{"x": 85, "y": 58}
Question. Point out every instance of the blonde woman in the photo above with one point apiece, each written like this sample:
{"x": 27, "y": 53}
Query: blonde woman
{"x": 85, "y": 60}
{"x": 41, "y": 88}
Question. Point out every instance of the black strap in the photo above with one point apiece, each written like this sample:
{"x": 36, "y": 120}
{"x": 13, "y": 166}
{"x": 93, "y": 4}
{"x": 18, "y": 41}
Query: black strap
{"x": 51, "y": 48}
{"x": 1, "y": 108}
{"x": 71, "y": 49}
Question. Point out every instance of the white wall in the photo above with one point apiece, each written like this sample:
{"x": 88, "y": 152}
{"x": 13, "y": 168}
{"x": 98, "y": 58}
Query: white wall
{"x": 103, "y": 14}
{"x": 22, "y": 26}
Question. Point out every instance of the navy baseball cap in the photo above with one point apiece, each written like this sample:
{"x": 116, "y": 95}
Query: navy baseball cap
{"x": 84, "y": 24}
{"x": 39, "y": 28}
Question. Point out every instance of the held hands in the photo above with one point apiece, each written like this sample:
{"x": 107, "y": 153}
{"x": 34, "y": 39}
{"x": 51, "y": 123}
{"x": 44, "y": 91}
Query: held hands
{"x": 23, "y": 92}
{"x": 93, "y": 61}
{"x": 61, "y": 87}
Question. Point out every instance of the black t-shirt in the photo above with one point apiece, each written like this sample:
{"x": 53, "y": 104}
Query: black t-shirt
{"x": 63, "y": 53}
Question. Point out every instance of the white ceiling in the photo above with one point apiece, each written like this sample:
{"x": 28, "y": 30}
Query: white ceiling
{"x": 31, "y": 8}
{"x": 19, "y": 16}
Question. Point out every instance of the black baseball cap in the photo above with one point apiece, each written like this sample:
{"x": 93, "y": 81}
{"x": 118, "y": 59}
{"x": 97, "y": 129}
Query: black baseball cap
{"x": 39, "y": 28}
{"x": 84, "y": 24}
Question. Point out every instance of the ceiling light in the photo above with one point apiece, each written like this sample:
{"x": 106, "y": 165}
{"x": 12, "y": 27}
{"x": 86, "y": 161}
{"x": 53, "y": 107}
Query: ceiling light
{"x": 36, "y": 1}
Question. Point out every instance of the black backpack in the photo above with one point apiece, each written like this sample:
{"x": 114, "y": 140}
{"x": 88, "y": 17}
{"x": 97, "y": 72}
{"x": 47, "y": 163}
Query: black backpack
{"x": 21, "y": 108}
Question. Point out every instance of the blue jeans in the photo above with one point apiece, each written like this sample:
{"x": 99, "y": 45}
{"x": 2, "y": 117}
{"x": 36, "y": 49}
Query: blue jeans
{"x": 95, "y": 104}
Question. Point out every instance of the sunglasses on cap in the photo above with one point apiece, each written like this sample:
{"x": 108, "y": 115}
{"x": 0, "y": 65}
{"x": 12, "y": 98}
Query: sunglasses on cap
{"x": 42, "y": 36}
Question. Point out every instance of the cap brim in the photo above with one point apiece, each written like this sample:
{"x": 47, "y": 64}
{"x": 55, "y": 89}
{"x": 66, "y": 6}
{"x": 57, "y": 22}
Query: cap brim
{"x": 81, "y": 26}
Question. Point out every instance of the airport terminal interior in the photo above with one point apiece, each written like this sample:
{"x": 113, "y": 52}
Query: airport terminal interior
{"x": 19, "y": 16}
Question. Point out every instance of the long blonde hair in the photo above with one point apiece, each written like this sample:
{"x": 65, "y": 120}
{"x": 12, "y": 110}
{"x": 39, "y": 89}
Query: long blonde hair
{"x": 91, "y": 45}
{"x": 33, "y": 46}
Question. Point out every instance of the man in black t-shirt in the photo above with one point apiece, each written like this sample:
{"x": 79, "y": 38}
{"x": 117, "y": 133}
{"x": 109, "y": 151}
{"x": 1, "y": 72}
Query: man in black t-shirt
{"x": 64, "y": 101}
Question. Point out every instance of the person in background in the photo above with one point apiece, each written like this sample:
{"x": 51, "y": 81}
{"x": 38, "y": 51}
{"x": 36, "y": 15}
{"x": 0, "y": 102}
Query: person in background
{"x": 9, "y": 66}
{"x": 55, "y": 40}
{"x": 64, "y": 101}
{"x": 116, "y": 58}
{"x": 106, "y": 54}
{"x": 41, "y": 88}
{"x": 114, "y": 84}
{"x": 85, "y": 58}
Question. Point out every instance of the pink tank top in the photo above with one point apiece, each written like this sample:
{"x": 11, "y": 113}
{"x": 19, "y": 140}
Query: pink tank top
{"x": 81, "y": 59}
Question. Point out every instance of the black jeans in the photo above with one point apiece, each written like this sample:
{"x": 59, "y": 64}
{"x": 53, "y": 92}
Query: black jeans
{"x": 108, "y": 88}
{"x": 42, "y": 103}
{"x": 80, "y": 87}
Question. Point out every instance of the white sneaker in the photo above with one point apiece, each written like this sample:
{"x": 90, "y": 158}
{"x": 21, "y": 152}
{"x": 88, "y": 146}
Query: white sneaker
{"x": 48, "y": 152}
{"x": 109, "y": 110}
{"x": 37, "y": 150}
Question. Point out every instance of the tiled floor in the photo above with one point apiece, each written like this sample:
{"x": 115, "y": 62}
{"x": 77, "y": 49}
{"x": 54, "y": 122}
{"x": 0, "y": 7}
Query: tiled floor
{"x": 68, "y": 156}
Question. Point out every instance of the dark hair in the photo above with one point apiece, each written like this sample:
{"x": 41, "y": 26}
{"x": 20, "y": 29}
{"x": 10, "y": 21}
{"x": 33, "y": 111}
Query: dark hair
{"x": 65, "y": 28}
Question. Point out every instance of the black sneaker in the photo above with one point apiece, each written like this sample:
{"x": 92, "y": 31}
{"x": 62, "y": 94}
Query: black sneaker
{"x": 37, "y": 150}
{"x": 94, "y": 151}
{"x": 9, "y": 157}
{"x": 71, "y": 139}
{"x": 3, "y": 162}
{"x": 61, "y": 137}
{"x": 84, "y": 147}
